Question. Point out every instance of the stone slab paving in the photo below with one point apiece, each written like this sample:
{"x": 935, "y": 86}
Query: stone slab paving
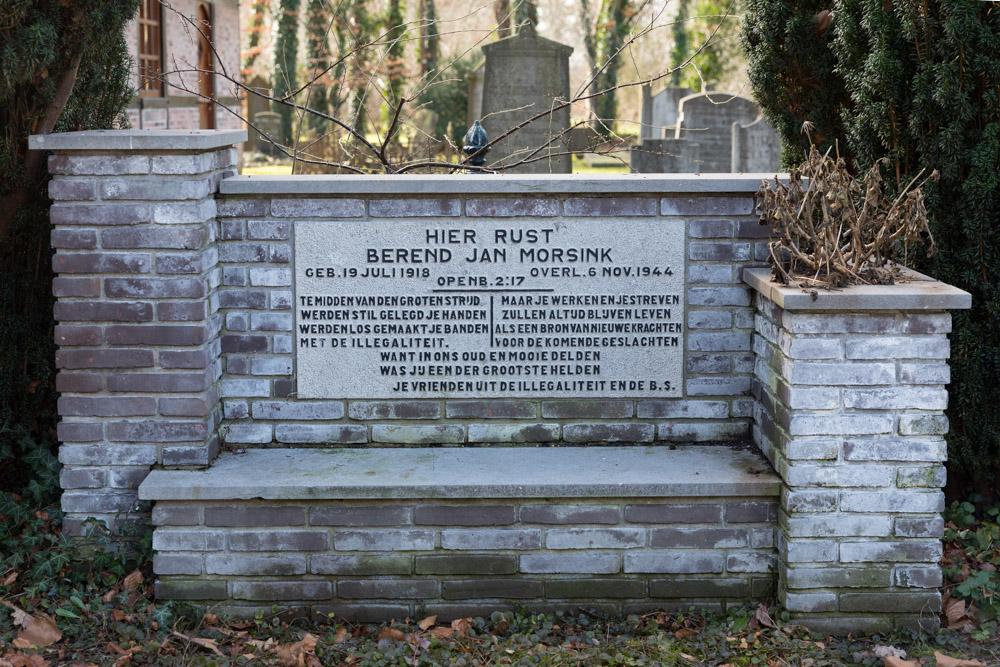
{"x": 493, "y": 472}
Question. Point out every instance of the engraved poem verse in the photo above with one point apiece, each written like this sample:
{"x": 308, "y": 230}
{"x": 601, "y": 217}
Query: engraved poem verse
{"x": 458, "y": 308}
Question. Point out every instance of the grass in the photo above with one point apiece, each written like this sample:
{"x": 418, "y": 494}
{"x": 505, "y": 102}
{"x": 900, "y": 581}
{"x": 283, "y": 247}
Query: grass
{"x": 580, "y": 166}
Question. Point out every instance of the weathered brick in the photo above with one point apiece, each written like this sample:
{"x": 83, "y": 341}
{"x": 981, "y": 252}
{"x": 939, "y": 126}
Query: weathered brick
{"x": 838, "y": 577}
{"x": 711, "y": 341}
{"x": 921, "y": 477}
{"x": 165, "y": 514}
{"x": 595, "y": 538}
{"x": 707, "y": 205}
{"x": 99, "y": 214}
{"x": 506, "y": 207}
{"x": 513, "y": 432}
{"x": 704, "y": 538}
{"x": 82, "y": 478}
{"x": 317, "y": 208}
{"x": 726, "y": 251}
{"x": 278, "y": 540}
{"x": 734, "y": 587}
{"x": 494, "y": 538}
{"x": 609, "y": 206}
{"x": 106, "y": 406}
{"x": 154, "y": 236}
{"x": 79, "y": 262}
{"x": 393, "y": 589}
{"x": 923, "y": 424}
{"x": 892, "y": 501}
{"x": 98, "y": 165}
{"x": 810, "y": 602}
{"x": 551, "y": 514}
{"x": 103, "y": 454}
{"x": 193, "y": 589}
{"x": 919, "y": 576}
{"x": 418, "y": 435}
{"x": 254, "y": 515}
{"x": 674, "y": 513}
{"x": 571, "y": 563}
{"x": 154, "y": 288}
{"x": 898, "y": 347}
{"x": 492, "y": 409}
{"x": 464, "y": 515}
{"x": 168, "y": 539}
{"x": 414, "y": 208}
{"x": 368, "y": 410}
{"x": 669, "y": 561}
{"x": 899, "y": 551}
{"x": 268, "y": 230}
{"x": 839, "y": 525}
{"x": 384, "y": 540}
{"x": 754, "y": 511}
{"x": 587, "y": 409}
{"x": 319, "y": 433}
{"x": 150, "y": 188}
{"x": 481, "y": 564}
{"x": 608, "y": 588}
{"x": 73, "y": 359}
{"x": 491, "y": 588}
{"x": 277, "y": 591}
{"x": 264, "y": 565}
{"x": 367, "y": 564}
{"x": 609, "y": 432}
{"x": 153, "y": 431}
{"x": 167, "y": 335}
{"x": 840, "y": 373}
{"x": 297, "y": 410}
{"x": 918, "y": 526}
{"x": 79, "y": 431}
{"x": 180, "y": 311}
{"x": 79, "y": 287}
{"x": 242, "y": 208}
{"x": 892, "y": 602}
{"x": 173, "y": 563}
{"x": 359, "y": 515}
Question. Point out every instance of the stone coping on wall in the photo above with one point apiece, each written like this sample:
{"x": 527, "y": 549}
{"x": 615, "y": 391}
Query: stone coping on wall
{"x": 488, "y": 472}
{"x": 919, "y": 292}
{"x": 494, "y": 184}
{"x": 130, "y": 140}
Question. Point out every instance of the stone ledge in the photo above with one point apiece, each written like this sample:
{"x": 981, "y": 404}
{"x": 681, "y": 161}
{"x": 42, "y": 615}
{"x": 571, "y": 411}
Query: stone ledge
{"x": 488, "y": 472}
{"x": 136, "y": 140}
{"x": 919, "y": 293}
{"x": 495, "y": 184}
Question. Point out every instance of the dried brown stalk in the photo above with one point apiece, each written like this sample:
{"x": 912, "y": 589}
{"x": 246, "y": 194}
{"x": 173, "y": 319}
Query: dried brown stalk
{"x": 830, "y": 229}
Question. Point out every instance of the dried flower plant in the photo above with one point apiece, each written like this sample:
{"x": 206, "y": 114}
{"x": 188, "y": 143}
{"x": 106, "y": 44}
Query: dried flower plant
{"x": 830, "y": 229}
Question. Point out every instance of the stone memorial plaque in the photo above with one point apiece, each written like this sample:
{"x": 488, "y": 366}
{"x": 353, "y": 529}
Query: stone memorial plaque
{"x": 453, "y": 308}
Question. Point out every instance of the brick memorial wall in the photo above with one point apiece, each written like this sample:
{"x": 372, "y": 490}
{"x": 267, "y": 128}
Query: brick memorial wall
{"x": 462, "y": 393}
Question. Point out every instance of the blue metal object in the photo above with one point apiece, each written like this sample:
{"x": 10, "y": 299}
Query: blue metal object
{"x": 475, "y": 141}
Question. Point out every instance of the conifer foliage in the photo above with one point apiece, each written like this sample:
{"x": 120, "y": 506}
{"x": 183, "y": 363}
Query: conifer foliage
{"x": 63, "y": 66}
{"x": 917, "y": 82}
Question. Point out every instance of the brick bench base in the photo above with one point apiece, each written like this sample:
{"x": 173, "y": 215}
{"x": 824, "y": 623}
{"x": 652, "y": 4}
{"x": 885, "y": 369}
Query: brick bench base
{"x": 372, "y": 559}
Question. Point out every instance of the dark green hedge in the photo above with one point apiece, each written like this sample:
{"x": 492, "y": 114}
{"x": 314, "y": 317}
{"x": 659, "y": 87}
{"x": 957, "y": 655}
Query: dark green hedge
{"x": 917, "y": 81}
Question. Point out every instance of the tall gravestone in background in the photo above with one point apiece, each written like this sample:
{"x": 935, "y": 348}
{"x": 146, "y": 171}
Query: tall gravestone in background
{"x": 524, "y": 75}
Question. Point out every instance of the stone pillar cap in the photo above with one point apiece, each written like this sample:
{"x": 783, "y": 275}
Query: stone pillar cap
{"x": 919, "y": 292}
{"x": 136, "y": 140}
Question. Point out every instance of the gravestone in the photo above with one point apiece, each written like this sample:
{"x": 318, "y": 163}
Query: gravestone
{"x": 659, "y": 111}
{"x": 704, "y": 136}
{"x": 255, "y": 105}
{"x": 525, "y": 75}
{"x": 756, "y": 147}
{"x": 707, "y": 119}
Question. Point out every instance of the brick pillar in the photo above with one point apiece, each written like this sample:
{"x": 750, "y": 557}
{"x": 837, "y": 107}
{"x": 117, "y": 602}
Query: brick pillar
{"x": 850, "y": 398}
{"x": 133, "y": 228}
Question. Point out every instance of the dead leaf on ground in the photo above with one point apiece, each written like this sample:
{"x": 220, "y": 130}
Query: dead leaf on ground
{"x": 427, "y": 623}
{"x": 442, "y": 632}
{"x": 948, "y": 661}
{"x": 209, "y": 644}
{"x": 895, "y": 661}
{"x": 391, "y": 633}
{"x": 9, "y": 579}
{"x": 110, "y": 595}
{"x": 341, "y": 635}
{"x": 37, "y": 631}
{"x": 462, "y": 626}
{"x": 23, "y": 660}
{"x": 300, "y": 654}
{"x": 763, "y": 616}
{"x": 684, "y": 633}
{"x": 132, "y": 581}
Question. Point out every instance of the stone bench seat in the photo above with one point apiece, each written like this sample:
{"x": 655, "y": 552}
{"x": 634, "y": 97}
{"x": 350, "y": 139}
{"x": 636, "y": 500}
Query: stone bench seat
{"x": 373, "y": 534}
{"x": 483, "y": 472}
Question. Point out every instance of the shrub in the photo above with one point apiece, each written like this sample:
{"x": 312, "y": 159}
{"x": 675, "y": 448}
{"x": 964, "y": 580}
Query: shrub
{"x": 908, "y": 86}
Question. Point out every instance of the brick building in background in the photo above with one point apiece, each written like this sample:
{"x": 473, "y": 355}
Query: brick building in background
{"x": 167, "y": 50}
